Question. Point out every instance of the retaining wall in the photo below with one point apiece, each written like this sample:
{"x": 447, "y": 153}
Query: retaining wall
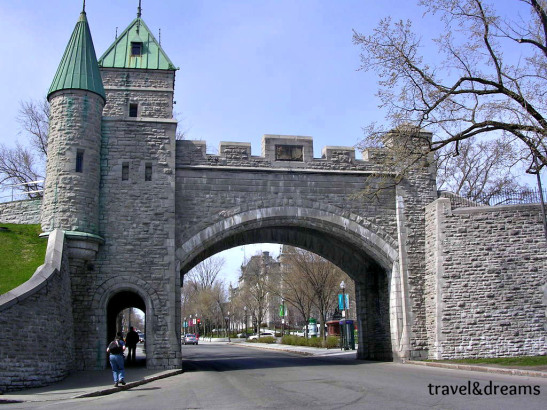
{"x": 486, "y": 275}
{"x": 36, "y": 325}
{"x": 21, "y": 212}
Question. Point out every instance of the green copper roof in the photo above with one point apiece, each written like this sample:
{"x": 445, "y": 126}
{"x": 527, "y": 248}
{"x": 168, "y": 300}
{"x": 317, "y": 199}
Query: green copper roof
{"x": 123, "y": 54}
{"x": 78, "y": 68}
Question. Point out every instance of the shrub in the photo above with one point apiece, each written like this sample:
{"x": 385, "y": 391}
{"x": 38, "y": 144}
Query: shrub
{"x": 288, "y": 340}
{"x": 332, "y": 342}
{"x": 267, "y": 339}
{"x": 315, "y": 342}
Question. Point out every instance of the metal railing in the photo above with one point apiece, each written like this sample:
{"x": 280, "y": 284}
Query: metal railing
{"x": 509, "y": 197}
{"x": 17, "y": 192}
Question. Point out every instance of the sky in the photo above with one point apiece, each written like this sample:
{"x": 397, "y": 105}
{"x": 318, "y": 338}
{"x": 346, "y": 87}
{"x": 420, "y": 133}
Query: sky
{"x": 247, "y": 67}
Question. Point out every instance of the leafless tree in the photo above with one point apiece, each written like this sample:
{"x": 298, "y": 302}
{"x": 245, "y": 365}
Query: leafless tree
{"x": 34, "y": 118}
{"x": 181, "y": 133}
{"x": 296, "y": 292}
{"x": 203, "y": 293}
{"x": 482, "y": 170}
{"x": 21, "y": 165}
{"x": 321, "y": 278}
{"x": 204, "y": 275}
{"x": 489, "y": 76}
{"x": 18, "y": 166}
{"x": 255, "y": 289}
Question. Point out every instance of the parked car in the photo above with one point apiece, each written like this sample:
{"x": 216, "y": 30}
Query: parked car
{"x": 141, "y": 337}
{"x": 262, "y": 334}
{"x": 190, "y": 339}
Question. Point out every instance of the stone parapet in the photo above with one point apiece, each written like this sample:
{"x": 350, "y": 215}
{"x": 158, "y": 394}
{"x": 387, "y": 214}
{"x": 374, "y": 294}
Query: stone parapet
{"x": 21, "y": 212}
{"x": 280, "y": 152}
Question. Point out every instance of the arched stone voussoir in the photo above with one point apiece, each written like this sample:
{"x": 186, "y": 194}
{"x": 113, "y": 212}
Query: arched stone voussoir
{"x": 283, "y": 224}
{"x": 118, "y": 284}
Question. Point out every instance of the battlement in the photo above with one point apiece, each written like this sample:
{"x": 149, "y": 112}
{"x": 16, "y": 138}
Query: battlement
{"x": 278, "y": 151}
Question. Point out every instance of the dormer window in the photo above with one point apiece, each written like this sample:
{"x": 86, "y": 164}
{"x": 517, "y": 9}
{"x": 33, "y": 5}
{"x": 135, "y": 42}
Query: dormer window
{"x": 136, "y": 48}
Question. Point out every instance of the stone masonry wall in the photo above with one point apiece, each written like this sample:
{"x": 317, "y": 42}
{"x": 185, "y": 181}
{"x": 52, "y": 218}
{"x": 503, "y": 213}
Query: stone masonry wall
{"x": 137, "y": 221}
{"x": 486, "y": 281}
{"x": 21, "y": 212}
{"x": 152, "y": 90}
{"x": 36, "y": 325}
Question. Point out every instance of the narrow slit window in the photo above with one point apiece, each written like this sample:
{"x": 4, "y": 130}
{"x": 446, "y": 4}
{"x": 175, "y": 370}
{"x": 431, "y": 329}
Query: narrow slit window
{"x": 148, "y": 172}
{"x": 133, "y": 109}
{"x": 80, "y": 160}
{"x": 136, "y": 48}
{"x": 125, "y": 171}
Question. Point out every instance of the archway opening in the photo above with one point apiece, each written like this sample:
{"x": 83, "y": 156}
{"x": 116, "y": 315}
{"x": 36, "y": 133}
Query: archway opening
{"x": 126, "y": 310}
{"x": 267, "y": 288}
{"x": 370, "y": 272}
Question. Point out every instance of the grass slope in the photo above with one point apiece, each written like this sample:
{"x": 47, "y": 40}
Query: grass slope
{"x": 21, "y": 252}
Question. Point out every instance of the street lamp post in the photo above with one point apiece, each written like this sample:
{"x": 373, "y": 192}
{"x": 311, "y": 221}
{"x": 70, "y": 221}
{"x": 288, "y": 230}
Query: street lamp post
{"x": 228, "y": 326}
{"x": 245, "y": 310}
{"x": 344, "y": 328}
{"x": 282, "y": 317}
{"x": 343, "y": 287}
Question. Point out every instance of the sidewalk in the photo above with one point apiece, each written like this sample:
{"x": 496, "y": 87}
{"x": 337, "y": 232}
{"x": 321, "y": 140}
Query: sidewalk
{"x": 87, "y": 384}
{"x": 302, "y": 350}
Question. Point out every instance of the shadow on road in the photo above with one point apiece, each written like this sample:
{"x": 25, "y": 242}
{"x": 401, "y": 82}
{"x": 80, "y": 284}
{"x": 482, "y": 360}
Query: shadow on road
{"x": 243, "y": 359}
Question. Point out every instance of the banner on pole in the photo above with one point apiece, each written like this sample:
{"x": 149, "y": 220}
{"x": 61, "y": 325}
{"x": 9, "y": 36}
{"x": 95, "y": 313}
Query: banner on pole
{"x": 341, "y": 301}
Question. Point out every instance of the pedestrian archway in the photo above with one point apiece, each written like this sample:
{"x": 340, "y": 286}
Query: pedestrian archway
{"x": 118, "y": 303}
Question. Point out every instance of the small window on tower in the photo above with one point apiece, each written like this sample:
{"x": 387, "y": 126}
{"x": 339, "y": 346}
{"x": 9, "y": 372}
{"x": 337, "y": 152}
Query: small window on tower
{"x": 80, "y": 160}
{"x": 133, "y": 109}
{"x": 125, "y": 171}
{"x": 136, "y": 48}
{"x": 148, "y": 172}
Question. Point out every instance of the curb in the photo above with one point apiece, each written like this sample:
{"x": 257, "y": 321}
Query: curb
{"x": 484, "y": 369}
{"x": 266, "y": 347}
{"x": 319, "y": 353}
{"x": 129, "y": 385}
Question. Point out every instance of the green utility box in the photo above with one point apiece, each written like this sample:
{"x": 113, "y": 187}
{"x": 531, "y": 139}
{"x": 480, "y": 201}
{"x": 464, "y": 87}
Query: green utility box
{"x": 347, "y": 335}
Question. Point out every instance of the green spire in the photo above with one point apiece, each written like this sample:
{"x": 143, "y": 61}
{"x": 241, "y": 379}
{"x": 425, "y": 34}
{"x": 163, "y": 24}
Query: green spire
{"x": 136, "y": 47}
{"x": 78, "y": 68}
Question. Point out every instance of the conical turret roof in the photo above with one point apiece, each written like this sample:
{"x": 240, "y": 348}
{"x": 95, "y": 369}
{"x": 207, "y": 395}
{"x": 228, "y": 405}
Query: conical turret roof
{"x": 136, "y": 47}
{"x": 78, "y": 68}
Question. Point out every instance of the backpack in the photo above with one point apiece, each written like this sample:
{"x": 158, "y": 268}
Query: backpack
{"x": 114, "y": 347}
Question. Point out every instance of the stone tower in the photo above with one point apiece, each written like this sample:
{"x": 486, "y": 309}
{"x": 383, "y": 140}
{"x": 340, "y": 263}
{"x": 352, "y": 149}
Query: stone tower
{"x": 77, "y": 98}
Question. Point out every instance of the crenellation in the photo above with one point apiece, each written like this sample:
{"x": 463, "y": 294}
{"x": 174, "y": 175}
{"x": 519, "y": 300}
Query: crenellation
{"x": 238, "y": 154}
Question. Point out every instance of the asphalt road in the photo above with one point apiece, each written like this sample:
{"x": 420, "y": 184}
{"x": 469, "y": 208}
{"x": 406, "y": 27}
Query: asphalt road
{"x": 233, "y": 377}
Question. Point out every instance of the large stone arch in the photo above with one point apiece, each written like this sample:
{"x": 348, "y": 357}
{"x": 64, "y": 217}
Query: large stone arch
{"x": 141, "y": 289}
{"x": 363, "y": 250}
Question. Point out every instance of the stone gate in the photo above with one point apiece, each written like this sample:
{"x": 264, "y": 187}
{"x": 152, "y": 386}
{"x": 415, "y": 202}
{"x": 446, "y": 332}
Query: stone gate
{"x": 138, "y": 209}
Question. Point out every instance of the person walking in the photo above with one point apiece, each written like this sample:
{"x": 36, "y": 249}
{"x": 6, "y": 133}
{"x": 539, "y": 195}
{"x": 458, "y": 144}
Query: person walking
{"x": 131, "y": 340}
{"x": 116, "y": 349}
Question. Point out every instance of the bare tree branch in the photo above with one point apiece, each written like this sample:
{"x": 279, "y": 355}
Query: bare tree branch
{"x": 486, "y": 87}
